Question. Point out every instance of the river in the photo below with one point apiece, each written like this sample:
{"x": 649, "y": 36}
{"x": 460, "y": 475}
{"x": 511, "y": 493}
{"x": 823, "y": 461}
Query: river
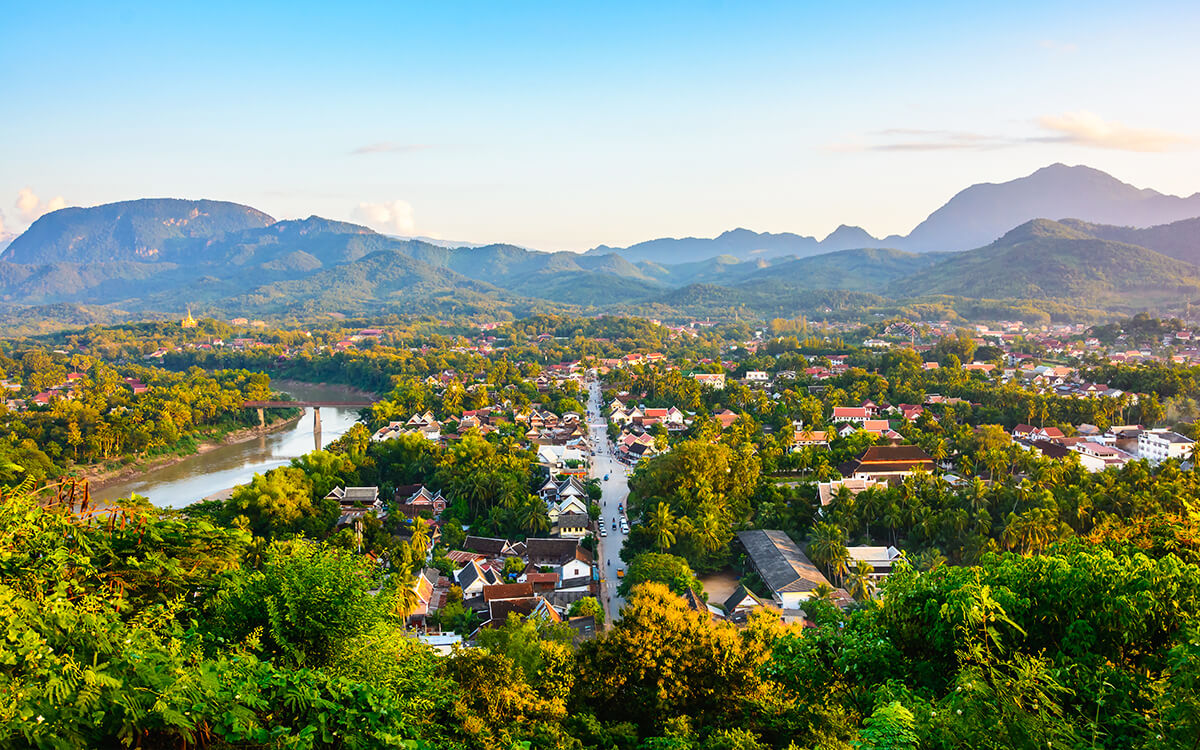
{"x": 197, "y": 477}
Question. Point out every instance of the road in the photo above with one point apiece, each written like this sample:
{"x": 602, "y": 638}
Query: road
{"x": 615, "y": 491}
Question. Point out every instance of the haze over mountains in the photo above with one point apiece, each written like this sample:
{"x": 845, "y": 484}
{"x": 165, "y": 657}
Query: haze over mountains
{"x": 1117, "y": 247}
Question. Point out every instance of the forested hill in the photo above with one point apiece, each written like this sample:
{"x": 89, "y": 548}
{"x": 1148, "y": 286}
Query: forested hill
{"x": 151, "y": 229}
{"x": 161, "y": 256}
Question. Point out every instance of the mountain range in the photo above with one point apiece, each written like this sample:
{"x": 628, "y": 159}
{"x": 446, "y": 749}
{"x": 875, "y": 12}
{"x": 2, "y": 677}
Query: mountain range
{"x": 974, "y": 217}
{"x": 156, "y": 256}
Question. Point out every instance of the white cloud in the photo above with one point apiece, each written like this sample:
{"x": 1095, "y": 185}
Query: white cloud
{"x": 391, "y": 147}
{"x": 394, "y": 217}
{"x": 5, "y": 235}
{"x": 1089, "y": 129}
{"x": 31, "y": 207}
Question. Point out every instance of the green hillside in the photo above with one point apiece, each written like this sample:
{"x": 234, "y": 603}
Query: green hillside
{"x": 866, "y": 270}
{"x": 151, "y": 229}
{"x": 1180, "y": 239}
{"x": 1047, "y": 260}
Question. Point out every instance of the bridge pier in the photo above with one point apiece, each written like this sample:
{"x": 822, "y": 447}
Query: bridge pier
{"x": 316, "y": 419}
{"x": 262, "y": 419}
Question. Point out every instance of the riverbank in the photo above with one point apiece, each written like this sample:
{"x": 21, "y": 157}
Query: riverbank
{"x": 99, "y": 476}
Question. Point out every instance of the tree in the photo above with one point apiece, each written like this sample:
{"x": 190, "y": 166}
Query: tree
{"x": 661, "y": 525}
{"x": 587, "y": 607}
{"x": 532, "y": 516}
{"x": 662, "y": 660}
{"x": 862, "y": 586}
{"x": 827, "y": 545}
{"x": 310, "y": 602}
{"x": 275, "y": 503}
{"x": 669, "y": 570}
{"x": 889, "y": 727}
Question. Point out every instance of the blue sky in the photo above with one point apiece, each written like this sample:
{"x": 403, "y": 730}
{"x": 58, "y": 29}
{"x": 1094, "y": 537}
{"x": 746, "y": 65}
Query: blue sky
{"x": 564, "y": 126}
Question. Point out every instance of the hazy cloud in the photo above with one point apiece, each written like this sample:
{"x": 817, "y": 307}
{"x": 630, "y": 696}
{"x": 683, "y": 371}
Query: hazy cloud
{"x": 395, "y": 217}
{"x": 5, "y": 235}
{"x": 1089, "y": 129}
{"x": 912, "y": 139}
{"x": 29, "y": 206}
{"x": 1076, "y": 128}
{"x": 391, "y": 147}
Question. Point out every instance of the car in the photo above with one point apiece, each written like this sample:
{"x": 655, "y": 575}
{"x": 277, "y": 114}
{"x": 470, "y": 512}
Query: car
{"x": 620, "y": 572}
{"x": 603, "y": 532}
{"x": 606, "y": 477}
{"x": 620, "y": 507}
{"x": 614, "y": 525}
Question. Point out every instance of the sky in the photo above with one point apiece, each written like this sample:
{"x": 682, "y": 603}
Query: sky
{"x": 562, "y": 126}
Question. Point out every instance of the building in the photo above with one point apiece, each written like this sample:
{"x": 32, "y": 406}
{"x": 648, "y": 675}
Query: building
{"x": 1096, "y": 457}
{"x": 416, "y": 500}
{"x": 356, "y": 502}
{"x": 1159, "y": 445}
{"x": 785, "y": 570}
{"x": 881, "y": 559}
{"x": 827, "y": 490}
{"x": 853, "y": 414}
{"x": 887, "y": 462}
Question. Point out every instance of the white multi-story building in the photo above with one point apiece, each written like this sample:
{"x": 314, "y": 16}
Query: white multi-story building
{"x": 1159, "y": 445}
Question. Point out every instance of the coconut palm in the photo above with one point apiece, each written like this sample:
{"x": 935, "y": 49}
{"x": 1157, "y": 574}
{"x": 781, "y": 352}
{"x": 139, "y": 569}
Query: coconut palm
{"x": 822, "y": 592}
{"x": 862, "y": 586}
{"x": 827, "y": 545}
{"x": 662, "y": 526}
{"x": 532, "y": 516}
{"x": 708, "y": 531}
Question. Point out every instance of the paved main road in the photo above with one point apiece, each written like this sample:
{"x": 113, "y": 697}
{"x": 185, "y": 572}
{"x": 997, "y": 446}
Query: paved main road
{"x": 615, "y": 491}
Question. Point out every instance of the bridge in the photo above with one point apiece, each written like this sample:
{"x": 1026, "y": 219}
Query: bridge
{"x": 314, "y": 405}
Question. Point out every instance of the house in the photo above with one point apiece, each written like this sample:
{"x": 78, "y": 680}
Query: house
{"x": 757, "y": 376}
{"x": 741, "y": 603}
{"x": 1096, "y": 457}
{"x": 416, "y": 501}
{"x": 852, "y": 414}
{"x": 485, "y": 545}
{"x": 887, "y": 462}
{"x": 1160, "y": 445}
{"x": 473, "y": 577}
{"x": 802, "y": 438}
{"x": 726, "y": 418}
{"x": 881, "y": 559}
{"x": 497, "y": 591}
{"x": 827, "y": 490}
{"x": 573, "y": 525}
{"x": 563, "y": 555}
{"x": 785, "y": 570}
{"x": 356, "y": 502}
{"x": 716, "y": 381}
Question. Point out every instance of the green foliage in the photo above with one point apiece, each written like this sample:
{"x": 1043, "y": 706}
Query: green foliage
{"x": 309, "y": 603}
{"x": 655, "y": 567}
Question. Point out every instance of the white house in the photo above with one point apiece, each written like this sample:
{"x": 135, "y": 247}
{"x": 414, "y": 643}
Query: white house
{"x": 1159, "y": 445}
{"x": 881, "y": 559}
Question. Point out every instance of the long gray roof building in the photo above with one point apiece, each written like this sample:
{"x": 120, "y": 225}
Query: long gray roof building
{"x": 779, "y": 562}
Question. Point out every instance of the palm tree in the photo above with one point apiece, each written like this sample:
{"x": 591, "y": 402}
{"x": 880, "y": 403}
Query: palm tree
{"x": 662, "y": 524}
{"x": 708, "y": 532}
{"x": 822, "y": 592}
{"x": 827, "y": 545}
{"x": 862, "y": 586}
{"x": 406, "y": 597}
{"x": 532, "y": 516}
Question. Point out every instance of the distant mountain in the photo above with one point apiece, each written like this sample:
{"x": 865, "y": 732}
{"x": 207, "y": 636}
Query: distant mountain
{"x": 1045, "y": 259}
{"x": 974, "y": 217}
{"x": 981, "y": 213}
{"x": 743, "y": 244}
{"x": 150, "y": 229}
{"x": 119, "y": 260}
{"x": 1179, "y": 239}
{"x": 860, "y": 270}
